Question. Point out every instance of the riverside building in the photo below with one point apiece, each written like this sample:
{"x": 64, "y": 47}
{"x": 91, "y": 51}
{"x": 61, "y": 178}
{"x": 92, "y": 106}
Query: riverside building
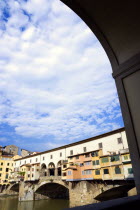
{"x": 103, "y": 157}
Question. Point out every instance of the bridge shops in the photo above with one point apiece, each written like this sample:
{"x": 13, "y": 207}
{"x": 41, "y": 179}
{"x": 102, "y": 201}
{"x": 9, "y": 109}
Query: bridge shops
{"x": 80, "y": 171}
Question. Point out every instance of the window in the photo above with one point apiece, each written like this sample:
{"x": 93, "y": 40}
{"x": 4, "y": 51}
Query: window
{"x": 28, "y": 175}
{"x": 87, "y": 172}
{"x": 125, "y": 157}
{"x": 6, "y": 177}
{"x": 7, "y": 169}
{"x": 97, "y": 172}
{"x": 105, "y": 160}
{"x": 60, "y": 154}
{"x": 96, "y": 162}
{"x": 87, "y": 155}
{"x": 71, "y": 158}
{"x": 0, "y": 175}
{"x": 119, "y": 140}
{"x": 71, "y": 152}
{"x": 32, "y": 175}
{"x": 1, "y": 163}
{"x": 83, "y": 172}
{"x": 8, "y": 164}
{"x": 117, "y": 170}
{"x": 30, "y": 161}
{"x": 84, "y": 149}
{"x": 87, "y": 163}
{"x": 20, "y": 162}
{"x": 81, "y": 164}
{"x": 64, "y": 174}
{"x": 94, "y": 154}
{"x": 100, "y": 145}
{"x": 130, "y": 171}
{"x": 43, "y": 158}
{"x": 77, "y": 157}
{"x": 64, "y": 166}
{"x": 12, "y": 164}
{"x": 69, "y": 173}
{"x": 51, "y": 156}
{"x": 115, "y": 158}
{"x": 106, "y": 171}
{"x": 36, "y": 159}
{"x": 25, "y": 162}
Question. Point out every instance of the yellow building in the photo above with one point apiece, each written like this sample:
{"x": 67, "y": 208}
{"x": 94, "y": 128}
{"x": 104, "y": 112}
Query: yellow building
{"x": 6, "y": 166}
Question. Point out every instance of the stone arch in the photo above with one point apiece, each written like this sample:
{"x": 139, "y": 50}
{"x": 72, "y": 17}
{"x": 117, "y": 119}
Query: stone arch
{"x": 51, "y": 169}
{"x": 14, "y": 187}
{"x": 113, "y": 192}
{"x": 59, "y": 168}
{"x": 43, "y": 170}
{"x": 52, "y": 190}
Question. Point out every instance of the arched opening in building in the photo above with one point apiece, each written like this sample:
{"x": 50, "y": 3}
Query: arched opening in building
{"x": 59, "y": 169}
{"x": 51, "y": 169}
{"x": 52, "y": 190}
{"x": 43, "y": 171}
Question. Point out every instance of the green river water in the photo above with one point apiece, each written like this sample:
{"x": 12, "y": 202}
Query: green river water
{"x": 11, "y": 203}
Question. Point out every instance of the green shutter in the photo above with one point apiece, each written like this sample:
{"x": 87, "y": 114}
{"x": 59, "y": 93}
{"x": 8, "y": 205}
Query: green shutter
{"x": 130, "y": 170}
{"x": 105, "y": 160}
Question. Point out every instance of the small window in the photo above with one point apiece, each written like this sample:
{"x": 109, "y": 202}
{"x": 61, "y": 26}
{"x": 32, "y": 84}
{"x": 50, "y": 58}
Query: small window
{"x": 100, "y": 145}
{"x": 81, "y": 164}
{"x": 36, "y": 159}
{"x": 87, "y": 163}
{"x": 6, "y": 177}
{"x": 117, "y": 170}
{"x": 51, "y": 156}
{"x": 60, "y": 154}
{"x": 105, "y": 160}
{"x": 69, "y": 173}
{"x": 119, "y": 140}
{"x": 84, "y": 149}
{"x": 96, "y": 162}
{"x": 32, "y": 175}
{"x": 1, "y": 163}
{"x": 115, "y": 158}
{"x": 0, "y": 175}
{"x": 87, "y": 155}
{"x": 71, "y": 152}
{"x": 43, "y": 158}
{"x": 25, "y": 161}
{"x": 97, "y": 172}
{"x": 7, "y": 169}
{"x": 130, "y": 171}
{"x": 106, "y": 171}
{"x": 28, "y": 175}
{"x": 83, "y": 172}
{"x": 125, "y": 157}
{"x": 64, "y": 166}
{"x": 30, "y": 161}
{"x": 77, "y": 157}
{"x": 8, "y": 164}
{"x": 94, "y": 154}
{"x": 0, "y": 169}
{"x": 64, "y": 174}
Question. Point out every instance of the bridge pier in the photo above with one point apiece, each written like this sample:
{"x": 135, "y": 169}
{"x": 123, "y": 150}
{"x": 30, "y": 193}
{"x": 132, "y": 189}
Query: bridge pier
{"x": 26, "y": 191}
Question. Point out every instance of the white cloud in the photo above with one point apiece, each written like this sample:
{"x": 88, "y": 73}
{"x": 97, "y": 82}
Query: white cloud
{"x": 55, "y": 75}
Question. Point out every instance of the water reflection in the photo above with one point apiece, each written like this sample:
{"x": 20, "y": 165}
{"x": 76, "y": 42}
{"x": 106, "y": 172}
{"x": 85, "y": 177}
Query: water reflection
{"x": 11, "y": 203}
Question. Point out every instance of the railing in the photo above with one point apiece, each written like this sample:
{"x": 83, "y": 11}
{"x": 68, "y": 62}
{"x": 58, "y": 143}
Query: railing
{"x": 50, "y": 178}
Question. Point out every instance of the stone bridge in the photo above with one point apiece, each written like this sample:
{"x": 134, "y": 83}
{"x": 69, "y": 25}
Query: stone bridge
{"x": 78, "y": 192}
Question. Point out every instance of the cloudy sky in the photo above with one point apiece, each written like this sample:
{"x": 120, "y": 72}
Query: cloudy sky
{"x": 55, "y": 78}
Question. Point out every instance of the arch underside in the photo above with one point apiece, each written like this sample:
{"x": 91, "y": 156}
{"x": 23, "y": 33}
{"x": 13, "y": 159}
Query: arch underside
{"x": 52, "y": 190}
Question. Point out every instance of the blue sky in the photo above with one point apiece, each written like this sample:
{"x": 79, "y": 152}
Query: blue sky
{"x": 56, "y": 85}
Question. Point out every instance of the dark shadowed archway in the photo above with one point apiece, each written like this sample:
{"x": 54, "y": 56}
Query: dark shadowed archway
{"x": 43, "y": 171}
{"x": 51, "y": 169}
{"x": 52, "y": 190}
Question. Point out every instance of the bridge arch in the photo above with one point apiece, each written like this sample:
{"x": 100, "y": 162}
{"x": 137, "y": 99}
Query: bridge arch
{"x": 52, "y": 190}
{"x": 14, "y": 187}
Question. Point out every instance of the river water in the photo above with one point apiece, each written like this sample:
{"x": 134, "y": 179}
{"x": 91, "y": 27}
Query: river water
{"x": 11, "y": 203}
